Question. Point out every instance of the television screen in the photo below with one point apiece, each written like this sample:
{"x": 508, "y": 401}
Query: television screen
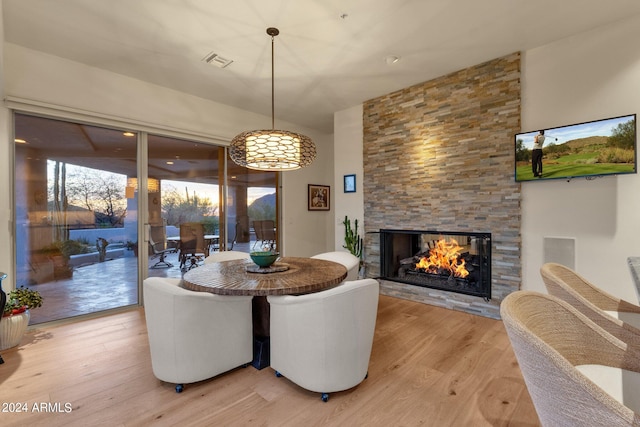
{"x": 591, "y": 149}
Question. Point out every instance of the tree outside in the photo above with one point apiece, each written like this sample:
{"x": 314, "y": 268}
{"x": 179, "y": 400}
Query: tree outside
{"x": 98, "y": 191}
{"x": 178, "y": 207}
{"x": 101, "y": 195}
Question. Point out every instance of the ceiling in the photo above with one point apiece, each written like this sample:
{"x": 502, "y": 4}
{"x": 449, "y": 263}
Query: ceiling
{"x": 330, "y": 54}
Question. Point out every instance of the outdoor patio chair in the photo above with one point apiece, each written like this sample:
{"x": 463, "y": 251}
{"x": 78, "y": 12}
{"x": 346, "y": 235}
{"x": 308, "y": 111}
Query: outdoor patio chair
{"x": 265, "y": 232}
{"x": 158, "y": 244}
{"x": 193, "y": 247}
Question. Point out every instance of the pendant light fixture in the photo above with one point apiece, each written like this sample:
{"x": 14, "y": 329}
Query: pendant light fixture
{"x": 273, "y": 149}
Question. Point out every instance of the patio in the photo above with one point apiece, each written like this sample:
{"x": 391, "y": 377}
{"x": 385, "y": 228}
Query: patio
{"x": 101, "y": 286}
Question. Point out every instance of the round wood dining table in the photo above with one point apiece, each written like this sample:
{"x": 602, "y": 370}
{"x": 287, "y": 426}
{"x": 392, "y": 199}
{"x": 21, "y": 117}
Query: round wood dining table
{"x": 300, "y": 276}
{"x": 297, "y": 276}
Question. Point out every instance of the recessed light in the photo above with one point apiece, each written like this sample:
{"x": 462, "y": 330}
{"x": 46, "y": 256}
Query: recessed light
{"x": 128, "y": 134}
{"x": 19, "y": 141}
{"x": 169, "y": 162}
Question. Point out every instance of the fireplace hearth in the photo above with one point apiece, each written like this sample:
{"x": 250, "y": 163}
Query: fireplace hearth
{"x": 452, "y": 261}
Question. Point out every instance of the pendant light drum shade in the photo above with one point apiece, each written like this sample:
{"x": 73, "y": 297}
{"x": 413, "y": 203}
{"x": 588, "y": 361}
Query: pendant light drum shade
{"x": 272, "y": 149}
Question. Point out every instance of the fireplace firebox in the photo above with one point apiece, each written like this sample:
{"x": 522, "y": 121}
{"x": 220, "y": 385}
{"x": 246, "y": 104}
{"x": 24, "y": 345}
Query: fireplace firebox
{"x": 451, "y": 261}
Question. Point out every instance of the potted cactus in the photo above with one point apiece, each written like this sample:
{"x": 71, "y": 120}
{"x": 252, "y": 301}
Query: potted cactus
{"x": 353, "y": 242}
{"x": 16, "y": 315}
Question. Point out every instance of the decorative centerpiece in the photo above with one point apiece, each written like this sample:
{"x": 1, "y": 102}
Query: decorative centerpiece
{"x": 264, "y": 259}
{"x": 265, "y": 262}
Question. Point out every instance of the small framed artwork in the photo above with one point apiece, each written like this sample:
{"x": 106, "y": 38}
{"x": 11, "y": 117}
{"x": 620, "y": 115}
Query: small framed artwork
{"x": 349, "y": 183}
{"x": 318, "y": 197}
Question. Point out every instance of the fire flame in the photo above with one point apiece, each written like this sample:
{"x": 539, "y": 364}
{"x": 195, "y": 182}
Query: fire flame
{"x": 444, "y": 256}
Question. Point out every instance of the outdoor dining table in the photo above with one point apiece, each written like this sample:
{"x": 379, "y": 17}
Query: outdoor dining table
{"x": 287, "y": 276}
{"x": 210, "y": 239}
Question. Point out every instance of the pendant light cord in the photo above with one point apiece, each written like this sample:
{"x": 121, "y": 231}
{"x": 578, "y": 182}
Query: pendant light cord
{"x": 273, "y": 32}
{"x": 273, "y": 102}
{"x": 271, "y": 150}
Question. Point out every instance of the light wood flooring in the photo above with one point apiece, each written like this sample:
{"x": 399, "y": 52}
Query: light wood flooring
{"x": 429, "y": 367}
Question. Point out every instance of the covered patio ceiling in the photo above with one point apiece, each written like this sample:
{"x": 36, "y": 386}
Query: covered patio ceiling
{"x": 106, "y": 149}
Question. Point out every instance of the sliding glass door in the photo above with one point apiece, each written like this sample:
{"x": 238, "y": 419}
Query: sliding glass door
{"x": 187, "y": 185}
{"x": 185, "y": 189}
{"x": 251, "y": 196}
{"x": 74, "y": 227}
{"x": 88, "y": 230}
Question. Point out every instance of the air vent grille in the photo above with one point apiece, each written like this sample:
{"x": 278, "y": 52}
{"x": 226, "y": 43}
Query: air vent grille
{"x": 217, "y": 60}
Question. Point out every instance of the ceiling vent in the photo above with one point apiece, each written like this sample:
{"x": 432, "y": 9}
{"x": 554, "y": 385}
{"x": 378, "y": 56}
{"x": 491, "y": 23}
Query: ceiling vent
{"x": 217, "y": 60}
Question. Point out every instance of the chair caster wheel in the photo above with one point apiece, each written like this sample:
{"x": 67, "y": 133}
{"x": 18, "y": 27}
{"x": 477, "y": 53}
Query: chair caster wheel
{"x": 366, "y": 376}
{"x": 278, "y": 374}
{"x": 325, "y": 397}
{"x": 179, "y": 388}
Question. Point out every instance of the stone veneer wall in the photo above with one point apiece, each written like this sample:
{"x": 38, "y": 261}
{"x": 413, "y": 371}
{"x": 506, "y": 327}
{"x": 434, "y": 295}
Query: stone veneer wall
{"x": 439, "y": 156}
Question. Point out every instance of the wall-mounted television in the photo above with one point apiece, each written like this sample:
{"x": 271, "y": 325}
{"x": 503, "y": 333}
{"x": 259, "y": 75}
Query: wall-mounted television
{"x": 589, "y": 149}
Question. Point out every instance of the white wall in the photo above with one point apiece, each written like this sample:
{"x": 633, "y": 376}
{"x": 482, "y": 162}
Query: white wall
{"x": 36, "y": 81}
{"x": 591, "y": 76}
{"x": 347, "y": 160}
{"x": 308, "y": 232}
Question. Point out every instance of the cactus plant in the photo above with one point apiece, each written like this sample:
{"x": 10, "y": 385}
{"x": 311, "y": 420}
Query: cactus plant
{"x": 352, "y": 240}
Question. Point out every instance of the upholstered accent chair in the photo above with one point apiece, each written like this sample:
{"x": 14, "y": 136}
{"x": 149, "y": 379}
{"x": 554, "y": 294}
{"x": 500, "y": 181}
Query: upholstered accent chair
{"x": 576, "y": 372}
{"x": 195, "y": 336}
{"x": 226, "y": 256}
{"x": 322, "y": 341}
{"x": 592, "y": 301}
{"x": 350, "y": 261}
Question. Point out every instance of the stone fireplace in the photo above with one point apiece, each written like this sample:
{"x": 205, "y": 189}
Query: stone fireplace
{"x": 439, "y": 156}
{"x": 457, "y": 262}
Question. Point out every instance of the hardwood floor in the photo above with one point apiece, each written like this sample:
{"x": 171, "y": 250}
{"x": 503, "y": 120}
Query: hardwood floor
{"x": 429, "y": 367}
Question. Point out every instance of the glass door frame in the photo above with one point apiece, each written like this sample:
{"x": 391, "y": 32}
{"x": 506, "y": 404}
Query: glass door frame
{"x": 87, "y": 119}
{"x": 143, "y": 131}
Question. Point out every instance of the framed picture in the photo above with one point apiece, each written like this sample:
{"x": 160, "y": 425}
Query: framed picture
{"x": 349, "y": 183}
{"x": 318, "y": 197}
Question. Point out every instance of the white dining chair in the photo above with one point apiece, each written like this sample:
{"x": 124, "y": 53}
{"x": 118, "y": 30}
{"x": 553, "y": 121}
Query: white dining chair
{"x": 322, "y": 341}
{"x": 192, "y": 335}
{"x": 226, "y": 256}
{"x": 350, "y": 261}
